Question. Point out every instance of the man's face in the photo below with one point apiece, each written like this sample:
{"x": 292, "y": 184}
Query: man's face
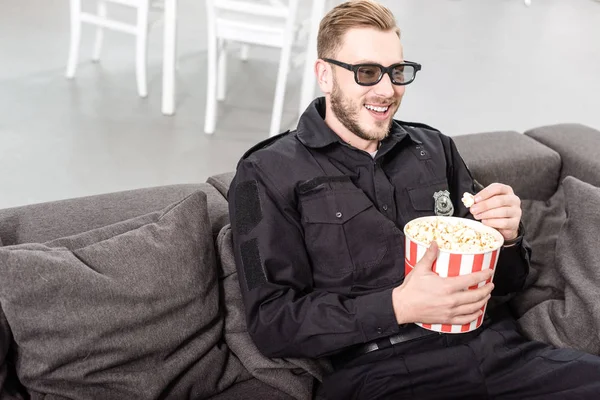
{"x": 352, "y": 104}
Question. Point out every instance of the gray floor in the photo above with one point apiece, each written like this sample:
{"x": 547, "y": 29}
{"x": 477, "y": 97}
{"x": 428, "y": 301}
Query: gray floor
{"x": 488, "y": 65}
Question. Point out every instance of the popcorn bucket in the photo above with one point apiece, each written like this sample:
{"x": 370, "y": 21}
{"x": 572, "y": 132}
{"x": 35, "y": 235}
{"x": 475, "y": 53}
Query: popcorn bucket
{"x": 454, "y": 262}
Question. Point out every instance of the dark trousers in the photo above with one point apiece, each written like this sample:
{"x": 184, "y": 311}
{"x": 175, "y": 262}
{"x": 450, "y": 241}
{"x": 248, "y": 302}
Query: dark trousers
{"x": 496, "y": 363}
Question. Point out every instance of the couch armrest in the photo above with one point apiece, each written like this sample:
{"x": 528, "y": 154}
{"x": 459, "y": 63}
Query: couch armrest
{"x": 221, "y": 182}
{"x": 529, "y": 167}
{"x": 578, "y": 146}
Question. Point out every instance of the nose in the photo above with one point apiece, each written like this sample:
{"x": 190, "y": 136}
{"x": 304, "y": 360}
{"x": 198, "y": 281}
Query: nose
{"x": 385, "y": 87}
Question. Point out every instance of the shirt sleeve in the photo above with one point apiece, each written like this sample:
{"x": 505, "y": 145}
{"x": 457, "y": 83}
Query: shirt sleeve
{"x": 513, "y": 264}
{"x": 286, "y": 315}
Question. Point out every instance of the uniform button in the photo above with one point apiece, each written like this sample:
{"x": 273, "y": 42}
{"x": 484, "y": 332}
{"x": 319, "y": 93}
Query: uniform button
{"x": 379, "y": 330}
{"x": 338, "y": 214}
{"x": 385, "y": 207}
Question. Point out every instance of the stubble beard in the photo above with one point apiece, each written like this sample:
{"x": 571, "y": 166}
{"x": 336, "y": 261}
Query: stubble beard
{"x": 347, "y": 112}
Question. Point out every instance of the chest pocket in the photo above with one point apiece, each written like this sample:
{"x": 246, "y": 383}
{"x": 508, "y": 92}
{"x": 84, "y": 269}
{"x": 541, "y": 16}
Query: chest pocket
{"x": 343, "y": 231}
{"x": 422, "y": 202}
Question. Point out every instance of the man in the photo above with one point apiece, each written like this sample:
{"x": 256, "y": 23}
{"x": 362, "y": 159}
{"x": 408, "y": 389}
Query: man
{"x": 317, "y": 217}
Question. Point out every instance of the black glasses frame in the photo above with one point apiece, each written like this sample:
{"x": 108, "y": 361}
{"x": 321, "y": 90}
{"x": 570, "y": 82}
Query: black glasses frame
{"x": 383, "y": 70}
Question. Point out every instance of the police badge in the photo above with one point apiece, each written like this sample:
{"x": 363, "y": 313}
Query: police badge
{"x": 443, "y": 204}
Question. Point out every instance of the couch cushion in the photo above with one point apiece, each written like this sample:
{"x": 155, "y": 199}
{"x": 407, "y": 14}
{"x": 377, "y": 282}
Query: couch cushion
{"x": 571, "y": 316}
{"x": 543, "y": 221}
{"x": 129, "y": 310}
{"x": 531, "y": 168}
{"x": 39, "y": 223}
{"x": 578, "y": 146}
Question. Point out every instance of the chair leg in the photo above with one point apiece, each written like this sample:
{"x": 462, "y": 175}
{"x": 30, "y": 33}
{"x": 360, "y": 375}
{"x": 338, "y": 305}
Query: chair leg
{"x": 244, "y": 52}
{"x": 284, "y": 66}
{"x": 210, "y": 114}
{"x": 75, "y": 21}
{"x": 211, "y": 92}
{"x": 141, "y": 48}
{"x": 99, "y": 32}
{"x": 307, "y": 91}
{"x": 222, "y": 72}
{"x": 169, "y": 57}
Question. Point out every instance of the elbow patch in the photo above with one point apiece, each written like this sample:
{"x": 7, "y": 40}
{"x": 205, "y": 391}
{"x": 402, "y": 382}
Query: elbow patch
{"x": 248, "y": 212}
{"x": 253, "y": 269}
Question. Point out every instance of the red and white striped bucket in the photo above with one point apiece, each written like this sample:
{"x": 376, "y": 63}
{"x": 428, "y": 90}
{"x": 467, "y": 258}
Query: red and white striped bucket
{"x": 454, "y": 263}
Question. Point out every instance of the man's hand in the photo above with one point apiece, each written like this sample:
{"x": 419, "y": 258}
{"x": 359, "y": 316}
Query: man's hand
{"x": 497, "y": 206}
{"x": 426, "y": 297}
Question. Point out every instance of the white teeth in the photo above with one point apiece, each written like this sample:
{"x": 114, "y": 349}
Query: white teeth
{"x": 378, "y": 109}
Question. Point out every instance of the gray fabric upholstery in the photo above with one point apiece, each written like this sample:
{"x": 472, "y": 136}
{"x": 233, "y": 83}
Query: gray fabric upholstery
{"x": 293, "y": 376}
{"x": 571, "y": 317}
{"x": 222, "y": 182}
{"x": 543, "y": 221}
{"x": 39, "y": 223}
{"x": 129, "y": 310}
{"x": 578, "y": 146}
{"x": 531, "y": 168}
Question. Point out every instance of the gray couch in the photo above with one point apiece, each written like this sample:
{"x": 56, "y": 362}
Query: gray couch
{"x": 51, "y": 311}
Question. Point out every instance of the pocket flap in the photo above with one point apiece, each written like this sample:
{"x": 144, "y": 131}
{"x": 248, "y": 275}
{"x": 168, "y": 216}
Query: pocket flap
{"x": 334, "y": 207}
{"x": 422, "y": 198}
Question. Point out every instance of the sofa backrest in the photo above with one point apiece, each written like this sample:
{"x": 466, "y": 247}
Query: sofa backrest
{"x": 38, "y": 223}
{"x": 529, "y": 167}
{"x": 578, "y": 146}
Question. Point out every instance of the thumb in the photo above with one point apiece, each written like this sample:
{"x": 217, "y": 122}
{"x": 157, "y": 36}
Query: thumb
{"x": 429, "y": 257}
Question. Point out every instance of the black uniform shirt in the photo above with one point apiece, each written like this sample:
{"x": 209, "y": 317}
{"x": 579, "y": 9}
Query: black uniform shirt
{"x": 317, "y": 232}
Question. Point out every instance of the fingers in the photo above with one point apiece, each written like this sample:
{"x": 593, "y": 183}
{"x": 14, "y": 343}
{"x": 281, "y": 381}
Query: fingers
{"x": 469, "y": 305}
{"x": 500, "y": 212}
{"x": 458, "y": 283}
{"x": 467, "y": 309}
{"x": 500, "y": 201}
{"x": 492, "y": 190}
{"x": 465, "y": 319}
{"x": 429, "y": 257}
{"x": 498, "y": 207}
{"x": 473, "y": 295}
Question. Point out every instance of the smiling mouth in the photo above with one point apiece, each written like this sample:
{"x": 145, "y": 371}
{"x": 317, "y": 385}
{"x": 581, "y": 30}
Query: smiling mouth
{"x": 378, "y": 109}
{"x": 380, "y": 112}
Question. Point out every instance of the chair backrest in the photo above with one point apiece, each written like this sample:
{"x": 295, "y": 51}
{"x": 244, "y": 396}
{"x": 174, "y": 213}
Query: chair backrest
{"x": 129, "y": 3}
{"x": 267, "y": 22}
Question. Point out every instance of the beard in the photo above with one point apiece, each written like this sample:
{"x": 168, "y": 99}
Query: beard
{"x": 347, "y": 112}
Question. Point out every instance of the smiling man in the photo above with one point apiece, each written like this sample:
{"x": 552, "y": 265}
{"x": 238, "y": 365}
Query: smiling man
{"x": 317, "y": 217}
{"x": 362, "y": 113}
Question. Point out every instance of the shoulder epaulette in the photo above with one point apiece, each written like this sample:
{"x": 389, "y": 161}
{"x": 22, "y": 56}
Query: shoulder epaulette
{"x": 417, "y": 125}
{"x": 265, "y": 143}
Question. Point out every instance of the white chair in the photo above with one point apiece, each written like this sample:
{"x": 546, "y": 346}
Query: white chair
{"x": 100, "y": 19}
{"x": 268, "y": 23}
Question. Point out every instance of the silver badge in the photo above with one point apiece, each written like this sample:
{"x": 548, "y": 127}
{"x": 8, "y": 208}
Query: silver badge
{"x": 443, "y": 204}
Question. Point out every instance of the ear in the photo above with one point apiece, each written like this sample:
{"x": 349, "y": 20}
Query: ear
{"x": 324, "y": 76}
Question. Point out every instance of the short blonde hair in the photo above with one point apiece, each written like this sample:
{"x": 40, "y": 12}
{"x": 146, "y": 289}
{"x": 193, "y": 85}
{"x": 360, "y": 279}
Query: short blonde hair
{"x": 349, "y": 15}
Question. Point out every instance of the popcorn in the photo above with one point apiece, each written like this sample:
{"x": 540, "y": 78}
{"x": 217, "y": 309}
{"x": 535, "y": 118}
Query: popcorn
{"x": 451, "y": 235}
{"x": 468, "y": 199}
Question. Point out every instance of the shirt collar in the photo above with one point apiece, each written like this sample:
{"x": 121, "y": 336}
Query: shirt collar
{"x": 313, "y": 132}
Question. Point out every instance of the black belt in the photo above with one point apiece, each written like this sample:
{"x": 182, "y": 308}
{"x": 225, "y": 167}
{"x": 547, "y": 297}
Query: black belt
{"x": 407, "y": 333}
